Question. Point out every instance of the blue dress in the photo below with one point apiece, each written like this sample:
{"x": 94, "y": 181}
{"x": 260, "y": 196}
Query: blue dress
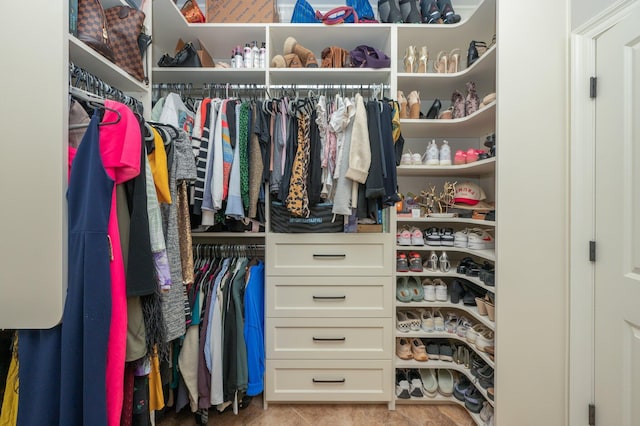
{"x": 62, "y": 370}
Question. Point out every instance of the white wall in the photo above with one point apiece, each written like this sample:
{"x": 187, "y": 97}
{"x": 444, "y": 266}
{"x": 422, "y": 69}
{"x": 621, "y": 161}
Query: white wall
{"x": 532, "y": 208}
{"x": 33, "y": 162}
{"x": 582, "y": 10}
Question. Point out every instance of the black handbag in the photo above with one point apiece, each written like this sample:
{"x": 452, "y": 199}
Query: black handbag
{"x": 186, "y": 57}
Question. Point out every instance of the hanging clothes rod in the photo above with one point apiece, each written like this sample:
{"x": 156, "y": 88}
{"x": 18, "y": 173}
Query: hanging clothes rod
{"x": 207, "y": 86}
{"x": 81, "y": 79}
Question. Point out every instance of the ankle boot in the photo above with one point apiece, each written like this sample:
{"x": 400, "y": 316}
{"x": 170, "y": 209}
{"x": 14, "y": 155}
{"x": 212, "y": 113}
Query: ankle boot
{"x": 457, "y": 100}
{"x": 447, "y": 13}
{"x": 429, "y": 11}
{"x": 290, "y": 60}
{"x": 410, "y": 12}
{"x": 471, "y": 102}
{"x": 306, "y": 56}
{"x": 389, "y": 11}
{"x": 414, "y": 104}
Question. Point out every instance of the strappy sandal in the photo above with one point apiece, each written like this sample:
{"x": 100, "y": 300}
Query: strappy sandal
{"x": 473, "y": 332}
{"x": 451, "y": 323}
{"x": 440, "y": 64}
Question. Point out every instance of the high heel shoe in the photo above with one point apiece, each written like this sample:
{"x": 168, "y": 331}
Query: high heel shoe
{"x": 414, "y": 104}
{"x": 440, "y": 64}
{"x": 435, "y": 109}
{"x": 402, "y": 101}
{"x": 454, "y": 59}
{"x": 448, "y": 15}
{"x": 424, "y": 59}
{"x": 457, "y": 100}
{"x": 476, "y": 49}
{"x": 409, "y": 59}
{"x": 471, "y": 102}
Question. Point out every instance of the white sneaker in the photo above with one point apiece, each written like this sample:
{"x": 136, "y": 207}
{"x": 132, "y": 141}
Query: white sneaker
{"x": 406, "y": 159}
{"x": 461, "y": 238}
{"x": 429, "y": 290}
{"x": 445, "y": 154}
{"x": 416, "y": 159}
{"x": 432, "y": 154}
{"x": 479, "y": 239}
{"x": 441, "y": 290}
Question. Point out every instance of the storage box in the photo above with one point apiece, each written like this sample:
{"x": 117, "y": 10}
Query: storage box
{"x": 320, "y": 220}
{"x": 241, "y": 11}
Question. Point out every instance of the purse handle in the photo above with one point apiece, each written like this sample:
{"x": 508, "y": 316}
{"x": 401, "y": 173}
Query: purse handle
{"x": 342, "y": 12}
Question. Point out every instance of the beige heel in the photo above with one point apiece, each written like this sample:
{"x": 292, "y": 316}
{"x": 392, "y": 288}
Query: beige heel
{"x": 402, "y": 101}
{"x": 423, "y": 61}
{"x": 409, "y": 59}
{"x": 441, "y": 63}
{"x": 454, "y": 59}
{"x": 414, "y": 104}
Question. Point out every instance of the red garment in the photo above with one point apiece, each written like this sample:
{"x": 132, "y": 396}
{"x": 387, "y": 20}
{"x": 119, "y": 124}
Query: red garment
{"x": 120, "y": 146}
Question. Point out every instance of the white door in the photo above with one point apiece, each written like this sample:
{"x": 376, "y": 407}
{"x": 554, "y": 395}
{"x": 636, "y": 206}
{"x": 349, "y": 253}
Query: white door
{"x": 617, "y": 294}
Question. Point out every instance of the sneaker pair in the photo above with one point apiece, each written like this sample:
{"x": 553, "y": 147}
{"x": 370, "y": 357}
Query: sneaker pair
{"x": 410, "y": 237}
{"x": 435, "y": 156}
{"x": 475, "y": 239}
{"x": 439, "y": 237}
{"x": 410, "y": 159}
{"x": 469, "y": 156}
{"x": 434, "y": 290}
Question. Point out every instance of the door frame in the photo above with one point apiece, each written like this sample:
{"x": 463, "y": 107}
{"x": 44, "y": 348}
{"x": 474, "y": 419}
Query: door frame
{"x": 582, "y": 209}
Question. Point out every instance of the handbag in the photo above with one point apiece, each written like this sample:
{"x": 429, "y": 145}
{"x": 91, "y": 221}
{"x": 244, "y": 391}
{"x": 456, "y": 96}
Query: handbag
{"x": 355, "y": 11}
{"x": 92, "y": 27}
{"x": 125, "y": 26}
{"x": 369, "y": 57}
{"x": 192, "y": 13}
{"x": 187, "y": 56}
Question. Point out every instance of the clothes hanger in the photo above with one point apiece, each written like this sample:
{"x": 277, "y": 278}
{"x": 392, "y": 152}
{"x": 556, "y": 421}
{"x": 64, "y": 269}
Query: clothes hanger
{"x": 95, "y": 101}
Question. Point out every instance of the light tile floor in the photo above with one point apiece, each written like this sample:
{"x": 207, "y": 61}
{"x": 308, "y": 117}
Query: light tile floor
{"x": 331, "y": 415}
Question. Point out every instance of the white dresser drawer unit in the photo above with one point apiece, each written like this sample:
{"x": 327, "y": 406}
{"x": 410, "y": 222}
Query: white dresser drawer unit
{"x": 324, "y": 297}
{"x": 329, "y": 338}
{"x": 339, "y": 381}
{"x": 320, "y": 255}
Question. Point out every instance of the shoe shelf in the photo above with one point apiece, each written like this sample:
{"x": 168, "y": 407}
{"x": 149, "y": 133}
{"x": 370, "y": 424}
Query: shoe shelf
{"x": 477, "y": 168}
{"x": 209, "y": 75}
{"x": 444, "y": 335}
{"x": 473, "y": 310}
{"x": 481, "y": 122}
{"x": 243, "y": 235}
{"x": 439, "y": 274}
{"x": 441, "y": 86}
{"x": 478, "y": 23}
{"x": 450, "y": 274}
{"x": 85, "y": 57}
{"x": 440, "y": 399}
{"x": 447, "y": 365}
{"x": 426, "y": 220}
{"x": 489, "y": 254}
{"x": 217, "y": 39}
{"x": 337, "y": 76}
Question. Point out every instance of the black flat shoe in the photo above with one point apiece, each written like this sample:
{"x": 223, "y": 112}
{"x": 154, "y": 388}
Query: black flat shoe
{"x": 429, "y": 11}
{"x": 435, "y": 109}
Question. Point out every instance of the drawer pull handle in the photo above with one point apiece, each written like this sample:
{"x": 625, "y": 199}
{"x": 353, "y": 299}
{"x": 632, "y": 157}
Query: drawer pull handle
{"x": 329, "y": 297}
{"x": 329, "y": 339}
{"x": 329, "y": 380}
{"x": 329, "y": 256}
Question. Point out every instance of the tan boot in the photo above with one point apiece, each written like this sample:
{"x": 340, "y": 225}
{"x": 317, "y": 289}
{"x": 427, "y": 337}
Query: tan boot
{"x": 307, "y": 57}
{"x": 290, "y": 60}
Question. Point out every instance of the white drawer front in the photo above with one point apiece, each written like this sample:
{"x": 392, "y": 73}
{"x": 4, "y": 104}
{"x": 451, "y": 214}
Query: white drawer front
{"x": 365, "y": 255}
{"x": 335, "y": 297}
{"x": 329, "y": 338}
{"x": 328, "y": 381}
